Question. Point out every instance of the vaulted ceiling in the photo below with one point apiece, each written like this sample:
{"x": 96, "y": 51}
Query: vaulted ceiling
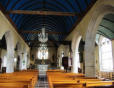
{"x": 58, "y": 25}
{"x": 106, "y": 27}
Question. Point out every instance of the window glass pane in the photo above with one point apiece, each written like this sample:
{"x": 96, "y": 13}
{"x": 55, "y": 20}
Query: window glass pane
{"x": 106, "y": 60}
{"x": 42, "y": 55}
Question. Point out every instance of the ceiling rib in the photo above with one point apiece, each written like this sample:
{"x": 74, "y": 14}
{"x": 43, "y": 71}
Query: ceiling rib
{"x": 29, "y": 12}
{"x": 104, "y": 34}
{"x": 106, "y": 28}
{"x": 108, "y": 20}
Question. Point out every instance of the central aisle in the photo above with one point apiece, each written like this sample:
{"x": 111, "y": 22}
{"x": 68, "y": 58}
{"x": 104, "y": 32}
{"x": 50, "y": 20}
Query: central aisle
{"x": 42, "y": 81}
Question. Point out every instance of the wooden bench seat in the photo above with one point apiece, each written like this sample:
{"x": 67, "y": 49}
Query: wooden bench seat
{"x": 99, "y": 84}
{"x": 71, "y": 80}
{"x": 14, "y": 85}
{"x": 24, "y": 78}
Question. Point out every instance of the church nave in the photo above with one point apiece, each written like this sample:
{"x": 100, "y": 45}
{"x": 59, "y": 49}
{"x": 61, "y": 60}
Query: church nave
{"x": 56, "y": 43}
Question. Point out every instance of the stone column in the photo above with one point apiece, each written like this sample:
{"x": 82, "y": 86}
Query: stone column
{"x": 97, "y": 60}
{"x": 4, "y": 61}
{"x": 75, "y": 62}
{"x": 21, "y": 61}
{"x": 75, "y": 46}
{"x": 113, "y": 52}
{"x": 60, "y": 61}
{"x": 10, "y": 52}
{"x": 10, "y": 63}
{"x": 28, "y": 61}
{"x": 90, "y": 63}
{"x": 25, "y": 61}
{"x": 60, "y": 49}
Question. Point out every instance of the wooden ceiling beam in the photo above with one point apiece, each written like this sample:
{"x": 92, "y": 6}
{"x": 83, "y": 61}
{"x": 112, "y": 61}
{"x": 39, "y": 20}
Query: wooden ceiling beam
{"x": 36, "y": 32}
{"x": 29, "y": 12}
{"x": 49, "y": 41}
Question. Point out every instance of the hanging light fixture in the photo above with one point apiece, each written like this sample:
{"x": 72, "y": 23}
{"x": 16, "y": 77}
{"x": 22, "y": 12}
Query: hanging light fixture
{"x": 43, "y": 37}
{"x": 43, "y": 50}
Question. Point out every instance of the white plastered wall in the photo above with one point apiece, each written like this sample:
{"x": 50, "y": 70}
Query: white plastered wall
{"x": 12, "y": 37}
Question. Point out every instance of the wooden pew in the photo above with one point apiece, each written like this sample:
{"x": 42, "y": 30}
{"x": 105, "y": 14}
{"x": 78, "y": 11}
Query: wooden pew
{"x": 24, "y": 78}
{"x": 87, "y": 84}
{"x": 14, "y": 85}
{"x": 56, "y": 79}
{"x": 99, "y": 84}
{"x": 70, "y": 80}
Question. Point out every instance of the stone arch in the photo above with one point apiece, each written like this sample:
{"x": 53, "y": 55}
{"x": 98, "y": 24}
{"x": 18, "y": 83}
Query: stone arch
{"x": 3, "y": 51}
{"x": 90, "y": 38}
{"x": 75, "y": 46}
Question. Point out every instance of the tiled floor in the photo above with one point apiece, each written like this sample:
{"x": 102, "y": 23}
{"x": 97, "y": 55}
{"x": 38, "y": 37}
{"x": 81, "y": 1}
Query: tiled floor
{"x": 42, "y": 82}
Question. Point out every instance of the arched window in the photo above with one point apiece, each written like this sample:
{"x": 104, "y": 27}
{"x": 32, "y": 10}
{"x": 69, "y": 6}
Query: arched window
{"x": 106, "y": 59}
{"x": 42, "y": 54}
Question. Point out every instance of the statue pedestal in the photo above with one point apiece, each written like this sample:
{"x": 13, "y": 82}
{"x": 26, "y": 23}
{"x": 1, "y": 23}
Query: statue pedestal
{"x": 42, "y": 69}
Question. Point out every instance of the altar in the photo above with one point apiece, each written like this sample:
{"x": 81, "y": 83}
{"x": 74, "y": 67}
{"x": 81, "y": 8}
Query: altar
{"x": 42, "y": 69}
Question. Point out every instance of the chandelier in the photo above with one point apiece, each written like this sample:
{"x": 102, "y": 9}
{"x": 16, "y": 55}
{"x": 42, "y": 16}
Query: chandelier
{"x": 43, "y": 51}
{"x": 43, "y": 38}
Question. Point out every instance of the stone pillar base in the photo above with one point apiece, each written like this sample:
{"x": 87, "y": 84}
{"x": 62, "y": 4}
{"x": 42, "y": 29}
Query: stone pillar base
{"x": 90, "y": 71}
{"x": 10, "y": 66}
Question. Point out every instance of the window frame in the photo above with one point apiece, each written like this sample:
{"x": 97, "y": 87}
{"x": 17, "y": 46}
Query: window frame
{"x": 41, "y": 57}
{"x": 100, "y": 55}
